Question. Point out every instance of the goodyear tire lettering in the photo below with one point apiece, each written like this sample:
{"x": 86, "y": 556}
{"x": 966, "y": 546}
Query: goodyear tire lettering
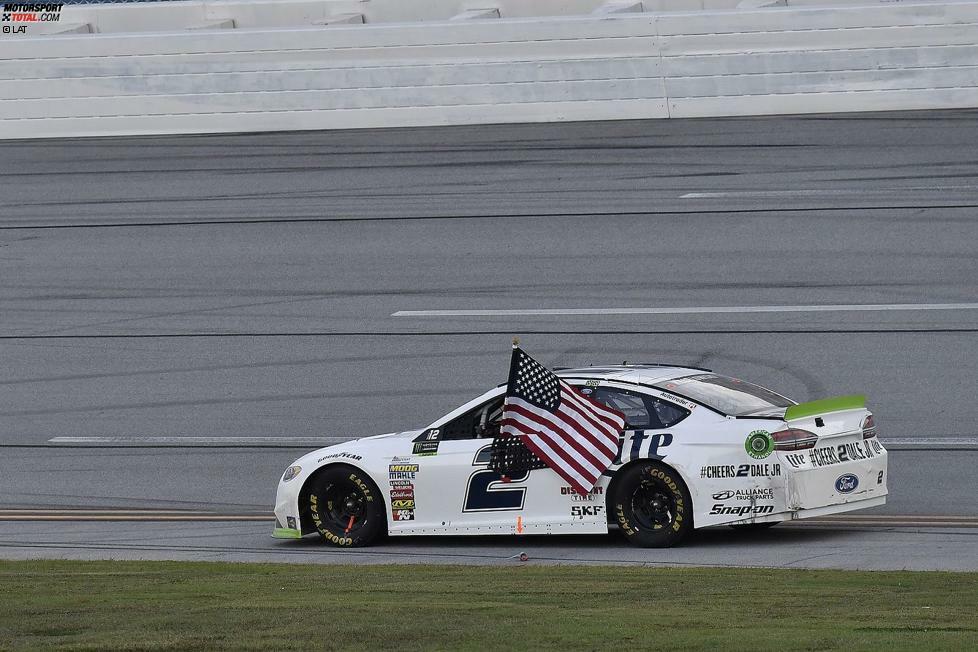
{"x": 661, "y": 525}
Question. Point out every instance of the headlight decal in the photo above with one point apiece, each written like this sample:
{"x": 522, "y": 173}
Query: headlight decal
{"x": 291, "y": 473}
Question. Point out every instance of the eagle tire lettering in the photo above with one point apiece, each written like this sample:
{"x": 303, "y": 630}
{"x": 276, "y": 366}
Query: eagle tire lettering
{"x": 355, "y": 479}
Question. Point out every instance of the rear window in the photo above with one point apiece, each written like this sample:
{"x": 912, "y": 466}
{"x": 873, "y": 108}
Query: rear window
{"x": 728, "y": 395}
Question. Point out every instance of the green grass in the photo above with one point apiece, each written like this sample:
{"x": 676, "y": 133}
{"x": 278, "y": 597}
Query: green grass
{"x": 177, "y": 606}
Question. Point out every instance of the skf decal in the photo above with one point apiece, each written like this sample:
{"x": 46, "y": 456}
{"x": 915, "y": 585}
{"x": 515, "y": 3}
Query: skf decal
{"x": 584, "y": 511}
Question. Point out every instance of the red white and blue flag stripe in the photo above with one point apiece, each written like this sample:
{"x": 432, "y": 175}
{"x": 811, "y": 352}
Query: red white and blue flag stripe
{"x": 571, "y": 433}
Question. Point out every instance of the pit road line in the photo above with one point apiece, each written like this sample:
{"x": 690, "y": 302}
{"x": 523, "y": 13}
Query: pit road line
{"x": 692, "y": 310}
{"x": 45, "y": 514}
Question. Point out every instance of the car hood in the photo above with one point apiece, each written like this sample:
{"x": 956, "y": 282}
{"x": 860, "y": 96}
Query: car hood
{"x": 354, "y": 447}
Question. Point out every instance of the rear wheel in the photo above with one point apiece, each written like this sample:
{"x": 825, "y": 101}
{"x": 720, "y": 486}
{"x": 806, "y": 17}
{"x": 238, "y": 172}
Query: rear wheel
{"x": 652, "y": 506}
{"x": 346, "y": 507}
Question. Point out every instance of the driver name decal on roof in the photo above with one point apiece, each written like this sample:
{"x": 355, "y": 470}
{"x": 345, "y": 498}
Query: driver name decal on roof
{"x": 678, "y": 400}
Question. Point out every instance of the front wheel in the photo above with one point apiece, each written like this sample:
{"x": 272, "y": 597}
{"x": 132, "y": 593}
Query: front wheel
{"x": 652, "y": 506}
{"x": 346, "y": 507}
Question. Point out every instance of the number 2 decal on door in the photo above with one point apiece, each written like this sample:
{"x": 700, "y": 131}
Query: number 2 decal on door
{"x": 486, "y": 491}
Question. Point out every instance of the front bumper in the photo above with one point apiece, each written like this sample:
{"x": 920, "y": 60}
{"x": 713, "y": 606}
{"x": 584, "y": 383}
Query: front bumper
{"x": 288, "y": 524}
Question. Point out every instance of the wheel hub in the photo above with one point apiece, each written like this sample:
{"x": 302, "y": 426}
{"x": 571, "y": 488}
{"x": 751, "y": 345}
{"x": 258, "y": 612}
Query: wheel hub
{"x": 652, "y": 507}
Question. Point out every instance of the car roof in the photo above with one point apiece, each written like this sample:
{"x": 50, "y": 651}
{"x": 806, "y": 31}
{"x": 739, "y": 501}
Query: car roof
{"x": 645, "y": 373}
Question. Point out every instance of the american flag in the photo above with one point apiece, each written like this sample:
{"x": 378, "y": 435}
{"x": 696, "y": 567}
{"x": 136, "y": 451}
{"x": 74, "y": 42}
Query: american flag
{"x": 574, "y": 435}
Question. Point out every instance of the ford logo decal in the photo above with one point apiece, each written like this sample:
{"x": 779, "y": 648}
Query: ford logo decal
{"x": 723, "y": 495}
{"x": 846, "y": 484}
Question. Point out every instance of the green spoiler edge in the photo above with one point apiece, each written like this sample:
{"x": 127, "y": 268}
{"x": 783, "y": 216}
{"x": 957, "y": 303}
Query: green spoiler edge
{"x": 835, "y": 404}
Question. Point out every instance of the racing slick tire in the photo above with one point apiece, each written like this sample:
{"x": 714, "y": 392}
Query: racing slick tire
{"x": 346, "y": 507}
{"x": 652, "y": 506}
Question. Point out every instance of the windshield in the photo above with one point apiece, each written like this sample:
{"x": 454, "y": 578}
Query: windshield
{"x": 728, "y": 395}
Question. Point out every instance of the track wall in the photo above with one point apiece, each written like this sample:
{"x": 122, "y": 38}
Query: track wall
{"x": 773, "y": 60}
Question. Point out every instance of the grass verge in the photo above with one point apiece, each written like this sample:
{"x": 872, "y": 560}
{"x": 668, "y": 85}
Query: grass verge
{"x": 67, "y": 605}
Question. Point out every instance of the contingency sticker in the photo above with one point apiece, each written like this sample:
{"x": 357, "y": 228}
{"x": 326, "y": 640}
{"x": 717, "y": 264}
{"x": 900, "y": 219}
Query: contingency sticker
{"x": 402, "y": 500}
{"x": 403, "y": 471}
{"x": 759, "y": 444}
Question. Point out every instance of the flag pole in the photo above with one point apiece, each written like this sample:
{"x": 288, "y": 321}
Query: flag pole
{"x": 516, "y": 342}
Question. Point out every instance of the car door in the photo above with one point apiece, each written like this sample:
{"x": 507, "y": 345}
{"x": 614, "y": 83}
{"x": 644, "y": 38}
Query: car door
{"x": 456, "y": 493}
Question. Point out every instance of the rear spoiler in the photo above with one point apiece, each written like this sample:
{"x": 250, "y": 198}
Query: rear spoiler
{"x": 825, "y": 405}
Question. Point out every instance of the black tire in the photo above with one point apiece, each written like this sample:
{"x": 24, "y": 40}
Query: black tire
{"x": 346, "y": 507}
{"x": 652, "y": 506}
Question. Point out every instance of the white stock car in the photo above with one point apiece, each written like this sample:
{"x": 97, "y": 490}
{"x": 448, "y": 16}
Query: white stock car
{"x": 699, "y": 450}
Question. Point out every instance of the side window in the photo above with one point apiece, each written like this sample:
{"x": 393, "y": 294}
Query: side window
{"x": 478, "y": 423}
{"x": 640, "y": 410}
{"x": 631, "y": 404}
{"x": 669, "y": 414}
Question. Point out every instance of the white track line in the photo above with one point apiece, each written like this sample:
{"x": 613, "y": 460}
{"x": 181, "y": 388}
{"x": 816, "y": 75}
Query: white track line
{"x": 693, "y": 310}
{"x": 260, "y": 442}
{"x": 805, "y": 192}
{"x": 930, "y": 444}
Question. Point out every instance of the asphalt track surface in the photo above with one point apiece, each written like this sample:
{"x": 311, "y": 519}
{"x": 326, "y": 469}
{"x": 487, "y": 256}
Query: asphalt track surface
{"x": 246, "y": 286}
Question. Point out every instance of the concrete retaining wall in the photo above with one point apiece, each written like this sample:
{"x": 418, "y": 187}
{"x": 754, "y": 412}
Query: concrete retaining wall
{"x": 632, "y": 65}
